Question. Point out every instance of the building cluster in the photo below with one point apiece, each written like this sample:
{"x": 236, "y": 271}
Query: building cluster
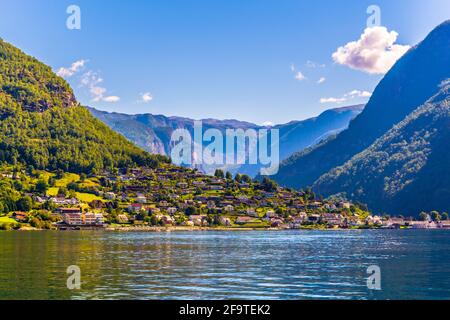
{"x": 180, "y": 196}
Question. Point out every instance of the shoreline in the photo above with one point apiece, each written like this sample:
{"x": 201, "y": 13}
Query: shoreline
{"x": 203, "y": 229}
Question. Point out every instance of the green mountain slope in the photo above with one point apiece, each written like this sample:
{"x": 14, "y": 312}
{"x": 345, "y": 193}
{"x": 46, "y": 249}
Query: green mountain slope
{"x": 42, "y": 125}
{"x": 411, "y": 82}
{"x": 406, "y": 171}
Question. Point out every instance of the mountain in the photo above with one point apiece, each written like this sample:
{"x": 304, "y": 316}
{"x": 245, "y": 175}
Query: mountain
{"x": 43, "y": 126}
{"x": 409, "y": 84}
{"x": 406, "y": 170}
{"x": 153, "y": 132}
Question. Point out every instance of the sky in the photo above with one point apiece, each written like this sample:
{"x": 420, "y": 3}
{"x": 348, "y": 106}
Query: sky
{"x": 262, "y": 61}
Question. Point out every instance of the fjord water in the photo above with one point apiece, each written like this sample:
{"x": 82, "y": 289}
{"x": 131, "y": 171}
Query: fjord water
{"x": 414, "y": 264}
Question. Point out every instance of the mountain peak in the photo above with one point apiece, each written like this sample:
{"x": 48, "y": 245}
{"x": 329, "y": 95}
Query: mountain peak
{"x": 29, "y": 84}
{"x": 410, "y": 83}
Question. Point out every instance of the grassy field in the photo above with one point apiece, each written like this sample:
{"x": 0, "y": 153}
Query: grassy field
{"x": 68, "y": 178}
{"x": 7, "y": 220}
{"x": 87, "y": 197}
{"x": 52, "y": 192}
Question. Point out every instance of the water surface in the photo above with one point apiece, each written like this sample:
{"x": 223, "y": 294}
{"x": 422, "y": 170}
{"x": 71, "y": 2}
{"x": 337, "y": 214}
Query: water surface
{"x": 415, "y": 264}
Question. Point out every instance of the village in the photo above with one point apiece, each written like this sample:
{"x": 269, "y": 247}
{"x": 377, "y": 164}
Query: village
{"x": 176, "y": 197}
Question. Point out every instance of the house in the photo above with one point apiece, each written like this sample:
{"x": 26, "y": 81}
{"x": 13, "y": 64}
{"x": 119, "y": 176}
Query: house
{"x": 73, "y": 218}
{"x": 135, "y": 207}
{"x": 331, "y": 219}
{"x": 344, "y": 205}
{"x": 68, "y": 210}
{"x": 110, "y": 195}
{"x": 123, "y": 219}
{"x": 40, "y": 199}
{"x": 182, "y": 185}
{"x": 171, "y": 210}
{"x": 251, "y": 212}
{"x": 224, "y": 221}
{"x": 229, "y": 208}
{"x": 198, "y": 220}
{"x": 20, "y": 216}
{"x": 92, "y": 219}
{"x": 424, "y": 225}
{"x": 155, "y": 210}
{"x": 63, "y": 201}
{"x": 271, "y": 214}
{"x": 276, "y": 222}
{"x": 394, "y": 223}
{"x": 374, "y": 220}
{"x": 199, "y": 183}
{"x": 167, "y": 220}
{"x": 141, "y": 199}
{"x": 244, "y": 220}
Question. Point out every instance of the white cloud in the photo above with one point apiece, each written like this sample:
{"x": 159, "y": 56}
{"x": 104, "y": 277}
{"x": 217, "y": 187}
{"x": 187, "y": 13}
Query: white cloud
{"x": 321, "y": 80}
{"x": 348, "y": 96}
{"x": 333, "y": 100}
{"x": 375, "y": 52}
{"x": 73, "y": 69}
{"x": 299, "y": 76}
{"x": 358, "y": 93}
{"x": 91, "y": 80}
{"x": 111, "y": 99}
{"x": 146, "y": 97}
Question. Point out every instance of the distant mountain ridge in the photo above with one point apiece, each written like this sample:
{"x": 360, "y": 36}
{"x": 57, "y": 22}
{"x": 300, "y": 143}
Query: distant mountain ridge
{"x": 412, "y": 81}
{"x": 153, "y": 132}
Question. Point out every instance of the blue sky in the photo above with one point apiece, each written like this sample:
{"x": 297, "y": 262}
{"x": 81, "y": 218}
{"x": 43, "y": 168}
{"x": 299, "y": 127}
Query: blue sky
{"x": 218, "y": 58}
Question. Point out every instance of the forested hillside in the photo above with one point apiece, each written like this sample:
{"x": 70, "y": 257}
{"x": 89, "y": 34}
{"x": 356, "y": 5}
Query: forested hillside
{"x": 411, "y": 82}
{"x": 407, "y": 170}
{"x": 42, "y": 125}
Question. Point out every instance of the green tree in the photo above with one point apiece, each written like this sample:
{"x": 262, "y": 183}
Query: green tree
{"x": 190, "y": 211}
{"x": 24, "y": 204}
{"x": 435, "y": 216}
{"x": 219, "y": 174}
{"x": 41, "y": 187}
{"x": 423, "y": 216}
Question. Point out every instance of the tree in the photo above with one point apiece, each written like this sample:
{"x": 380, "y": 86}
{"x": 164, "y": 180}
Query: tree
{"x": 229, "y": 176}
{"x": 445, "y": 216}
{"x": 435, "y": 216}
{"x": 423, "y": 216}
{"x": 246, "y": 178}
{"x": 190, "y": 211}
{"x": 269, "y": 185}
{"x": 238, "y": 178}
{"x": 41, "y": 187}
{"x": 24, "y": 204}
{"x": 219, "y": 174}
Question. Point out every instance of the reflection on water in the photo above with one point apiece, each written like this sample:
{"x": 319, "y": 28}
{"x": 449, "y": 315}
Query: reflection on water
{"x": 226, "y": 265}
